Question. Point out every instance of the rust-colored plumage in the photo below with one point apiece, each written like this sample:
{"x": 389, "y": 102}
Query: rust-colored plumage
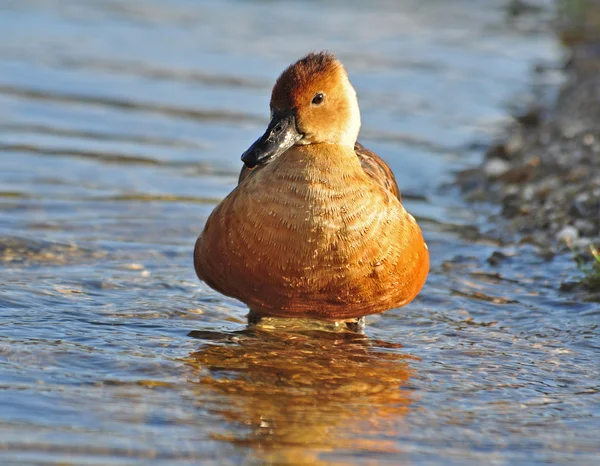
{"x": 371, "y": 163}
{"x": 319, "y": 230}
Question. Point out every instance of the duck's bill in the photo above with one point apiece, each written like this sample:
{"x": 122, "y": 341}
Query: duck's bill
{"x": 281, "y": 134}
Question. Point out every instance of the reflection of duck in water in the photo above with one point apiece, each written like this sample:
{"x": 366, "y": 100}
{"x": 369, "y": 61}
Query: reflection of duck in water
{"x": 315, "y": 227}
{"x": 292, "y": 396}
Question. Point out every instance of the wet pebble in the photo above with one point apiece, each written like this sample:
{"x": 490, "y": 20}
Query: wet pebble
{"x": 567, "y": 234}
{"x": 572, "y": 128}
{"x": 530, "y": 118}
{"x": 497, "y": 151}
{"x": 585, "y": 227}
{"x": 528, "y": 192}
{"x": 495, "y": 167}
{"x": 511, "y": 205}
{"x": 581, "y": 243}
{"x": 588, "y": 139}
{"x": 514, "y": 144}
{"x": 496, "y": 258}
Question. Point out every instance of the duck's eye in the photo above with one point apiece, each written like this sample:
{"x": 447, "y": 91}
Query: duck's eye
{"x": 318, "y": 99}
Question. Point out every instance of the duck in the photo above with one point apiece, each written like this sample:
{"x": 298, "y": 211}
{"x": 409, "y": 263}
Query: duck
{"x": 315, "y": 227}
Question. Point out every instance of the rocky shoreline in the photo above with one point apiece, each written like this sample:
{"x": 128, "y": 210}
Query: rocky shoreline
{"x": 545, "y": 173}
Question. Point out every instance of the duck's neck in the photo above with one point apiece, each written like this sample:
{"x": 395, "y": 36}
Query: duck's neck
{"x": 323, "y": 161}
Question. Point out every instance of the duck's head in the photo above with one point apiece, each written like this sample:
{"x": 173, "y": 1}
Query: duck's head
{"x": 312, "y": 102}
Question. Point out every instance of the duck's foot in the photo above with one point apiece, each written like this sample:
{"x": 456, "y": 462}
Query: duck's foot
{"x": 254, "y": 318}
{"x": 356, "y": 325}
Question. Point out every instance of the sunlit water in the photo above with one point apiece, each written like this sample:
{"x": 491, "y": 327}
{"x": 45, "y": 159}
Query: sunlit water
{"x": 121, "y": 127}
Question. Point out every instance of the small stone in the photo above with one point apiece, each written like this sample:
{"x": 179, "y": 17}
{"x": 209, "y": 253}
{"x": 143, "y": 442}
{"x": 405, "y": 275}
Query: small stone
{"x": 570, "y": 129}
{"x": 577, "y": 209}
{"x": 567, "y": 235}
{"x": 512, "y": 190}
{"x": 569, "y": 284}
{"x": 477, "y": 195}
{"x": 496, "y": 152}
{"x": 514, "y": 144}
{"x": 496, "y": 258}
{"x": 531, "y": 118}
{"x": 581, "y": 243}
{"x": 494, "y": 168}
{"x": 545, "y": 137}
{"x": 469, "y": 179}
{"x": 546, "y": 187}
{"x": 520, "y": 174}
{"x": 546, "y": 253}
{"x": 585, "y": 227}
{"x": 511, "y": 205}
{"x": 132, "y": 266}
{"x": 577, "y": 173}
{"x": 528, "y": 192}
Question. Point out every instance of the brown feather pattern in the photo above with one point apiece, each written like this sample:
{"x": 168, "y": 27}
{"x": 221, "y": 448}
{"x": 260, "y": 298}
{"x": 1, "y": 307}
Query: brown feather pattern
{"x": 312, "y": 234}
{"x": 371, "y": 163}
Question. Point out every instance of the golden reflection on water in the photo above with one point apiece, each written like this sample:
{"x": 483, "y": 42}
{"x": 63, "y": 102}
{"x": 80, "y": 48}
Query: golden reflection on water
{"x": 292, "y": 395}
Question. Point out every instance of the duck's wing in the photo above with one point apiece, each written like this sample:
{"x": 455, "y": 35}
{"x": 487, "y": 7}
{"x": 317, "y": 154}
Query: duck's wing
{"x": 371, "y": 163}
{"x": 377, "y": 169}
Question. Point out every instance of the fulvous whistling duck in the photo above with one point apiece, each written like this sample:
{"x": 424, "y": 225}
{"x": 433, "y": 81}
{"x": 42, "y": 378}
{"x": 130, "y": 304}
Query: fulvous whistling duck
{"x": 315, "y": 227}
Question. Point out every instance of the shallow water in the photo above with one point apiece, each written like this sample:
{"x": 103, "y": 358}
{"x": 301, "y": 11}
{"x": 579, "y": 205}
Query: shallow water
{"x": 121, "y": 126}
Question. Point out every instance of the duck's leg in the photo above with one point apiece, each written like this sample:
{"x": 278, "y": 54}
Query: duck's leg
{"x": 356, "y": 325}
{"x": 254, "y": 318}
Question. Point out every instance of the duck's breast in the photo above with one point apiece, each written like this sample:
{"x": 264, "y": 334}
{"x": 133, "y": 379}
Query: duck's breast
{"x": 307, "y": 238}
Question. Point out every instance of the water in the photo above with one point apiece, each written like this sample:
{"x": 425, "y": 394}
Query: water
{"x": 121, "y": 126}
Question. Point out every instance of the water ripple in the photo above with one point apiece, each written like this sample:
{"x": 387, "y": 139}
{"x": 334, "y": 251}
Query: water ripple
{"x": 223, "y": 116}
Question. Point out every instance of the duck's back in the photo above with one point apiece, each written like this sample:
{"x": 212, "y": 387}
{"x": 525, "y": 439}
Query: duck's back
{"x": 315, "y": 236}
